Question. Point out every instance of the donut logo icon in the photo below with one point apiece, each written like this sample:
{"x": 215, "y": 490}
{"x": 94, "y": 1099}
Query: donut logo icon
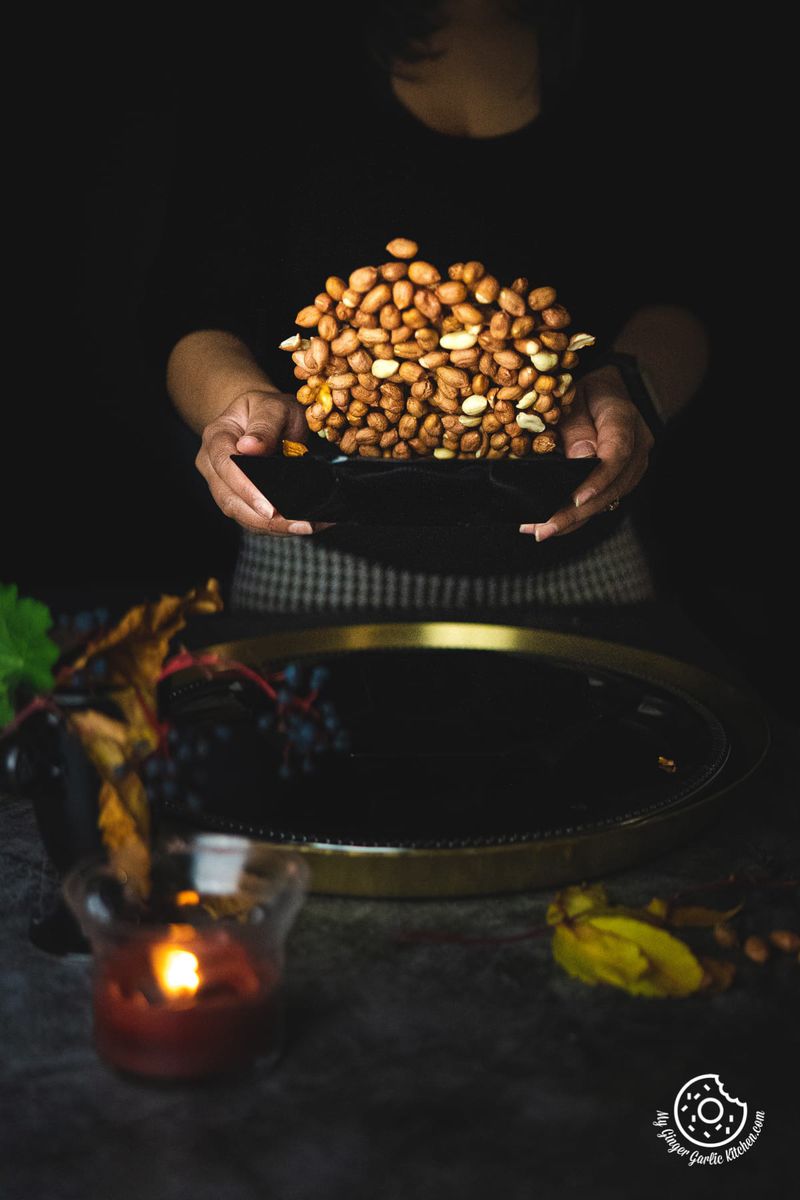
{"x": 706, "y": 1115}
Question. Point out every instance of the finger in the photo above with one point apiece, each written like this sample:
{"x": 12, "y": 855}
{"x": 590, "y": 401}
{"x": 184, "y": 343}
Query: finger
{"x": 568, "y": 519}
{"x": 578, "y": 431}
{"x": 616, "y": 445}
{"x": 215, "y": 454}
{"x": 267, "y": 425}
{"x": 234, "y": 506}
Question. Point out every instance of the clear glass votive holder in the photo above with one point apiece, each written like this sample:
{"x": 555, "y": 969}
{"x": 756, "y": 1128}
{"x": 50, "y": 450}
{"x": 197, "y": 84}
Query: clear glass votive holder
{"x": 188, "y": 980}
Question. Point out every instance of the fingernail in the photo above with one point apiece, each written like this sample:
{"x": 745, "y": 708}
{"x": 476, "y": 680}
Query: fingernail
{"x": 527, "y": 529}
{"x": 542, "y": 532}
{"x": 299, "y": 527}
{"x": 582, "y": 497}
{"x": 583, "y": 450}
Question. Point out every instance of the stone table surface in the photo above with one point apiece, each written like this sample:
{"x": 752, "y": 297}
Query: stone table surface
{"x": 419, "y": 1070}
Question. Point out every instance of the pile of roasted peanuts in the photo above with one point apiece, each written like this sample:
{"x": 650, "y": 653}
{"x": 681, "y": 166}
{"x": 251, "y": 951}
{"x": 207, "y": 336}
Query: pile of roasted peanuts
{"x": 397, "y": 362}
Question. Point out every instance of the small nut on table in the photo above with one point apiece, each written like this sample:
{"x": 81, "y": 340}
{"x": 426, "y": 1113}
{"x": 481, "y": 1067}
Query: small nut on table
{"x": 785, "y": 940}
{"x": 756, "y": 949}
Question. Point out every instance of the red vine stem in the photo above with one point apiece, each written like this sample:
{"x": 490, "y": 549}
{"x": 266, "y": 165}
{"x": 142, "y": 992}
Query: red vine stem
{"x": 186, "y": 659}
{"x": 38, "y": 704}
{"x": 743, "y": 881}
{"x": 444, "y": 937}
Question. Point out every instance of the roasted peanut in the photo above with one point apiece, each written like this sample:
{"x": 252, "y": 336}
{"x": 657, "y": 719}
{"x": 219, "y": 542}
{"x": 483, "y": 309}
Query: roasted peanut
{"x": 511, "y": 302}
{"x": 424, "y": 273}
{"x": 401, "y": 247}
{"x": 486, "y": 290}
{"x": 376, "y": 297}
{"x": 556, "y": 316}
{"x": 308, "y": 317}
{"x": 541, "y": 298}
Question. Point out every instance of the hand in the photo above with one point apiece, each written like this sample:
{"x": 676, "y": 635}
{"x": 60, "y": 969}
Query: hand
{"x": 255, "y": 423}
{"x": 603, "y": 422}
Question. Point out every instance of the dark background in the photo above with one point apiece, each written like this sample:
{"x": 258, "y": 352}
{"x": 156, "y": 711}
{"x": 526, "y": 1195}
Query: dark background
{"x": 101, "y": 500}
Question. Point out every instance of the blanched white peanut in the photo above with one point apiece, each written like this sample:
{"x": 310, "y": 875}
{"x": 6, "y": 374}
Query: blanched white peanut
{"x": 473, "y": 406}
{"x": 443, "y": 452}
{"x": 470, "y": 422}
{"x": 579, "y": 340}
{"x": 382, "y": 368}
{"x": 461, "y": 339}
{"x": 531, "y": 421}
{"x": 527, "y": 400}
{"x": 545, "y": 360}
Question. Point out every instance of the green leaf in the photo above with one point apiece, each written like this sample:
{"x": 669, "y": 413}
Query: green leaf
{"x": 27, "y": 654}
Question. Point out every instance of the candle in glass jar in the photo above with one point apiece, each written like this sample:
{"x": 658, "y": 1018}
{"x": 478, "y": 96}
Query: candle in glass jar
{"x": 184, "y": 1002}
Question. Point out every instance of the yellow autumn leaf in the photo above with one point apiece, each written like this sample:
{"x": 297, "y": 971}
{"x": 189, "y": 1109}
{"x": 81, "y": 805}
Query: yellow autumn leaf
{"x": 572, "y": 901}
{"x": 673, "y": 969}
{"x": 136, "y": 647}
{"x": 620, "y": 946}
{"x": 124, "y": 826}
{"x": 106, "y": 740}
{"x": 658, "y": 907}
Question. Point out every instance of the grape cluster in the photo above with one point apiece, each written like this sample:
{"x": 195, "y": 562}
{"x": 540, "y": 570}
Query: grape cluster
{"x": 75, "y": 629}
{"x": 296, "y": 727}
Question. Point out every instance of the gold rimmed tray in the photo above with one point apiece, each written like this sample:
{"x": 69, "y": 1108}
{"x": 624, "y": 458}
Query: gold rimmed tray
{"x": 536, "y": 842}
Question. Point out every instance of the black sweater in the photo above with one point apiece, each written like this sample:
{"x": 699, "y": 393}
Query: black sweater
{"x": 277, "y": 184}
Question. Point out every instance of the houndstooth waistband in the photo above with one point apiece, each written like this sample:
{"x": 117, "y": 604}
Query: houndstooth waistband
{"x": 297, "y": 574}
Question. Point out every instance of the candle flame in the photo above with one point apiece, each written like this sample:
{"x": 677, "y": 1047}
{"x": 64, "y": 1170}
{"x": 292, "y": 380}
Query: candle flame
{"x": 188, "y": 897}
{"x": 176, "y": 971}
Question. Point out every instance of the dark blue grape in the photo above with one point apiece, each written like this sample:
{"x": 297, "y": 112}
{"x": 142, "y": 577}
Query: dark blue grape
{"x": 64, "y": 620}
{"x": 173, "y": 737}
{"x": 98, "y": 667}
{"x": 153, "y": 768}
{"x": 169, "y": 789}
{"x": 342, "y": 741}
{"x": 265, "y": 722}
{"x": 284, "y": 695}
{"x": 304, "y": 737}
{"x": 184, "y": 753}
{"x": 171, "y": 768}
{"x": 327, "y": 708}
{"x": 293, "y": 675}
{"x": 332, "y": 723}
{"x": 83, "y": 622}
{"x": 319, "y": 677}
{"x": 102, "y": 616}
{"x": 308, "y": 765}
{"x": 194, "y": 802}
{"x": 285, "y": 771}
{"x": 79, "y": 679}
{"x": 223, "y": 733}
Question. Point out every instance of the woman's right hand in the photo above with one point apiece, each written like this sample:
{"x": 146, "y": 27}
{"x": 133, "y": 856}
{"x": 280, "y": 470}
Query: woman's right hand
{"x": 255, "y": 423}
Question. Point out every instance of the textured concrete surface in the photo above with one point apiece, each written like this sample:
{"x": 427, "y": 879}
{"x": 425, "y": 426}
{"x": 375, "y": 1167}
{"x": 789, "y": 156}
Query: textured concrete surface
{"x": 418, "y": 1070}
{"x": 415, "y": 1069}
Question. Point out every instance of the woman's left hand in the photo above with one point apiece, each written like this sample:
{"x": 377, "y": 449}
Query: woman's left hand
{"x": 604, "y": 422}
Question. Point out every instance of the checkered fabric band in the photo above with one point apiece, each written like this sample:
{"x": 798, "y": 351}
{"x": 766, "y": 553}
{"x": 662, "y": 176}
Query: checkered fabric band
{"x": 297, "y": 574}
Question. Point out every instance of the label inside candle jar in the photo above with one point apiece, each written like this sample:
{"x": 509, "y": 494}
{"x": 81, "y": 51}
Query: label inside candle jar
{"x": 185, "y": 1008}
